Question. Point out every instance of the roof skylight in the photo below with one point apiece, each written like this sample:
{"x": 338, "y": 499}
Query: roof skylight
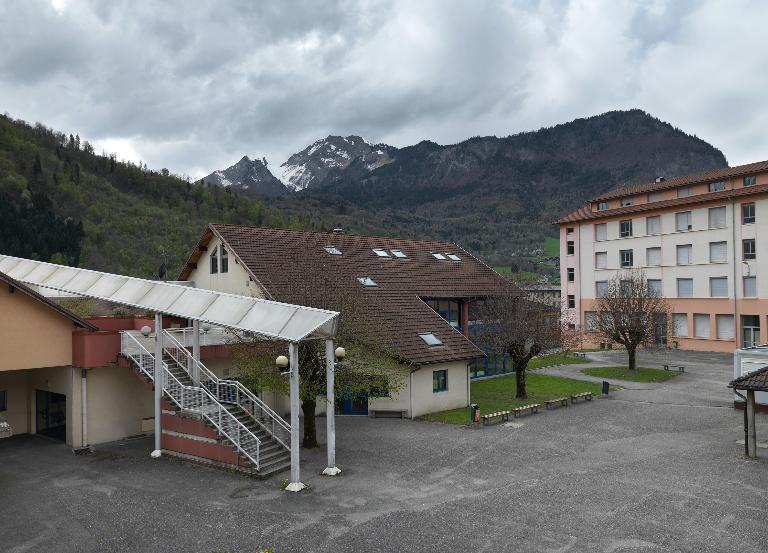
{"x": 438, "y": 255}
{"x": 333, "y": 250}
{"x": 430, "y": 339}
{"x": 398, "y": 253}
{"x": 380, "y": 252}
{"x": 453, "y": 256}
{"x": 368, "y": 282}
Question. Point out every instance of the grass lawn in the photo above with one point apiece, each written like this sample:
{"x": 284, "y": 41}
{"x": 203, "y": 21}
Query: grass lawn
{"x": 555, "y": 359}
{"x": 496, "y": 394}
{"x": 551, "y": 246}
{"x": 640, "y": 374}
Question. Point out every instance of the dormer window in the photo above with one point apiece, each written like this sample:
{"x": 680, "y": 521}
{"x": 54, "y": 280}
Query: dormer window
{"x": 602, "y": 206}
{"x": 625, "y": 202}
{"x": 224, "y": 259}
{"x": 438, "y": 255}
{"x": 368, "y": 282}
{"x": 716, "y": 186}
{"x": 333, "y": 250}
{"x": 380, "y": 252}
{"x": 453, "y": 257}
{"x": 430, "y": 339}
{"x": 398, "y": 253}
{"x": 215, "y": 261}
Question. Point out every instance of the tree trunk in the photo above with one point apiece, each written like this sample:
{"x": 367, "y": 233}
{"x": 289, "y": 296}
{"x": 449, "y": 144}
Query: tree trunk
{"x": 632, "y": 353}
{"x": 520, "y": 391}
{"x": 308, "y": 407}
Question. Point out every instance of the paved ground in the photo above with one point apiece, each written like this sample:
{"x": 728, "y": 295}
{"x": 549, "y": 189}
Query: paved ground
{"x": 651, "y": 468}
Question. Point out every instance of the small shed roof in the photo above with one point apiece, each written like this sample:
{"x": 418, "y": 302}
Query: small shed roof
{"x": 756, "y": 381}
{"x": 265, "y": 318}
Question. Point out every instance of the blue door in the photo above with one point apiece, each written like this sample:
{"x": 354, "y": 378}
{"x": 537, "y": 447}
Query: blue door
{"x": 349, "y": 405}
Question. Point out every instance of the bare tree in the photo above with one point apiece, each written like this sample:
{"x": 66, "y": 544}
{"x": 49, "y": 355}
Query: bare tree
{"x": 512, "y": 323}
{"x": 632, "y": 313}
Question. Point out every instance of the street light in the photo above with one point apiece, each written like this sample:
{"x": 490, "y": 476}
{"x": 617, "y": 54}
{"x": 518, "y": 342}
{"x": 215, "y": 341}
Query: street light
{"x": 145, "y": 330}
{"x": 340, "y": 353}
{"x": 282, "y": 363}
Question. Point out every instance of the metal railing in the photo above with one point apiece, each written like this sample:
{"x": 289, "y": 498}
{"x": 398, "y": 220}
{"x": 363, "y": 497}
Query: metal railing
{"x": 229, "y": 391}
{"x": 214, "y": 336}
{"x": 194, "y": 399}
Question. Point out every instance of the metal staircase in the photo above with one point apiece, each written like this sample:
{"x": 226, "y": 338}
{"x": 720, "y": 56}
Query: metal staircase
{"x": 241, "y": 419}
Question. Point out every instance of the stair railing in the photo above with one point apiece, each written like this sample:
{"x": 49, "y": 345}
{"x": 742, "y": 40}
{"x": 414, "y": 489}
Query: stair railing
{"x": 194, "y": 399}
{"x": 229, "y": 391}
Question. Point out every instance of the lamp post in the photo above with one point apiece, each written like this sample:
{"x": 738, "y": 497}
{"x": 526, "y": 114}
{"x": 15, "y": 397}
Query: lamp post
{"x": 295, "y": 485}
{"x": 331, "y": 356}
{"x": 158, "y": 381}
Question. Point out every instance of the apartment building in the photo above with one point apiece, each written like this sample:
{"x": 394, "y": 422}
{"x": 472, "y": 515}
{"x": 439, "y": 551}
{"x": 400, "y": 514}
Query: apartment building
{"x": 697, "y": 238}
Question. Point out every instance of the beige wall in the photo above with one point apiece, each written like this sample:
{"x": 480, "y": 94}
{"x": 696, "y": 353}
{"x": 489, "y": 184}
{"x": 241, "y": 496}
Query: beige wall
{"x": 16, "y": 385}
{"x": 234, "y": 281}
{"x": 32, "y": 334}
{"x": 58, "y": 380}
{"x": 426, "y": 401}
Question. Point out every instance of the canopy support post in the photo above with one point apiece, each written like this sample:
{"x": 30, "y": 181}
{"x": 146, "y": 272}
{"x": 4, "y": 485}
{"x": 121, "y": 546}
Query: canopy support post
{"x": 158, "y": 381}
{"x": 330, "y": 409}
{"x": 195, "y": 351}
{"x": 751, "y": 430}
{"x": 295, "y": 484}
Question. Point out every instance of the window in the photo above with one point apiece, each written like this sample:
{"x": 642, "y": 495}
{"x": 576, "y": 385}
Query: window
{"x": 747, "y": 213}
{"x": 453, "y": 257}
{"x": 590, "y": 320}
{"x": 333, "y": 250}
{"x": 750, "y": 180}
{"x": 602, "y": 206}
{"x": 439, "y": 381}
{"x": 601, "y": 232}
{"x": 654, "y": 197}
{"x": 725, "y": 327}
{"x": 748, "y": 248}
{"x": 655, "y": 286}
{"x": 215, "y": 261}
{"x": 684, "y": 287}
{"x": 716, "y": 186}
{"x": 368, "y": 282}
{"x": 571, "y": 274}
{"x": 684, "y": 192}
{"x": 3, "y": 400}
{"x": 380, "y": 252}
{"x": 224, "y": 259}
{"x": 430, "y": 339}
{"x": 601, "y": 260}
{"x": 653, "y": 225}
{"x": 653, "y": 257}
{"x": 398, "y": 253}
{"x": 718, "y": 252}
{"x": 569, "y": 230}
{"x": 718, "y": 287}
{"x": 681, "y": 324}
{"x": 683, "y": 221}
{"x": 438, "y": 255}
{"x": 601, "y": 287}
{"x": 626, "y": 257}
{"x": 625, "y": 202}
{"x": 571, "y": 247}
{"x": 571, "y": 301}
{"x": 701, "y": 325}
{"x": 625, "y": 228}
{"x": 750, "y": 287}
{"x": 684, "y": 254}
{"x": 717, "y": 217}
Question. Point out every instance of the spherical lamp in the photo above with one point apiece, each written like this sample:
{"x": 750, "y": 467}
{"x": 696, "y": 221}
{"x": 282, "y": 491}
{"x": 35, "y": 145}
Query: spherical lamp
{"x": 340, "y": 353}
{"x": 281, "y": 362}
{"x": 145, "y": 330}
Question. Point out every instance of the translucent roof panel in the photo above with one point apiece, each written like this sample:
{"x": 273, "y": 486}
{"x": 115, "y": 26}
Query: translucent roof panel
{"x": 267, "y": 319}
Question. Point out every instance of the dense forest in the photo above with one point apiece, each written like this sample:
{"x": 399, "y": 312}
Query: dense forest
{"x": 60, "y": 201}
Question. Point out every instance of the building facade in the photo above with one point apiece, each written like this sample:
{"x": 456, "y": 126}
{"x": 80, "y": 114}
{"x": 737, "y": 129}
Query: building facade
{"x": 696, "y": 238}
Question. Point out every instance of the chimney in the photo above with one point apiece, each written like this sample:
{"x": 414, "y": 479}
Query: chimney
{"x": 660, "y": 179}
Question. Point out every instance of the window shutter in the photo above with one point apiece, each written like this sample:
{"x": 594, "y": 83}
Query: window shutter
{"x": 684, "y": 287}
{"x": 750, "y": 287}
{"x": 725, "y": 327}
{"x": 701, "y": 326}
{"x": 601, "y": 232}
{"x": 655, "y": 285}
{"x": 681, "y": 324}
{"x": 684, "y": 254}
{"x": 653, "y": 225}
{"x": 600, "y": 288}
{"x": 717, "y": 217}
{"x": 718, "y": 252}
{"x": 601, "y": 258}
{"x": 718, "y": 287}
{"x": 653, "y": 257}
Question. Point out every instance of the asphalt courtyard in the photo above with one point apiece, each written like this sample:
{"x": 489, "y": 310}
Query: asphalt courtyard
{"x": 653, "y": 467}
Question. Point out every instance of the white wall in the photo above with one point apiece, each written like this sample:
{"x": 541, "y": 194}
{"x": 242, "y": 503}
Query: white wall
{"x": 235, "y": 281}
{"x": 426, "y": 401}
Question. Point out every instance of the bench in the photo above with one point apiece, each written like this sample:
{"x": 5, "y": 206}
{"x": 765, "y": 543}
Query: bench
{"x": 388, "y": 413}
{"x": 503, "y": 415}
{"x": 580, "y": 354}
{"x": 563, "y": 401}
{"x": 586, "y": 396}
{"x": 679, "y": 368}
{"x": 532, "y": 408}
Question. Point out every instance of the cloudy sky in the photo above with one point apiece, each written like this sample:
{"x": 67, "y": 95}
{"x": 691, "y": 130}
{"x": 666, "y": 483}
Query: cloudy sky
{"x": 195, "y": 85}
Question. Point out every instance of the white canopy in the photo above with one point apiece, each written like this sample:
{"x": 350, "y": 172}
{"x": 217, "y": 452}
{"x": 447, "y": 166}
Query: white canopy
{"x": 268, "y": 319}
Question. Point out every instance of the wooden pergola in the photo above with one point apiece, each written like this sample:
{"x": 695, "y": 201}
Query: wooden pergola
{"x": 755, "y": 381}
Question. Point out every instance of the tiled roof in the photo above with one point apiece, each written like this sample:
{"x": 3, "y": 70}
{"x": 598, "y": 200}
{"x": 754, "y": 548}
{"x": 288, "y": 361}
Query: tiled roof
{"x": 756, "y": 381}
{"x": 585, "y": 212}
{"x": 706, "y": 176}
{"x": 279, "y": 259}
{"x": 24, "y": 289}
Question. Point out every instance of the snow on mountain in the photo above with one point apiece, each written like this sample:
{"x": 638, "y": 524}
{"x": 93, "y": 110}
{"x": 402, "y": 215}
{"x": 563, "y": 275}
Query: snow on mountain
{"x": 248, "y": 176}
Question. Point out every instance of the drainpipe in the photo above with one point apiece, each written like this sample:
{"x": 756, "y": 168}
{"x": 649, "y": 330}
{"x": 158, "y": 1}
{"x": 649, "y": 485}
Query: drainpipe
{"x": 410, "y": 392}
{"x": 84, "y": 395}
{"x": 736, "y": 322}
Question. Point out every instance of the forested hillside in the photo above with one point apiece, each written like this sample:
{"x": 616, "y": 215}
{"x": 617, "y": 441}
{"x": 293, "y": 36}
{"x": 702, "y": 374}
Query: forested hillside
{"x": 62, "y": 202}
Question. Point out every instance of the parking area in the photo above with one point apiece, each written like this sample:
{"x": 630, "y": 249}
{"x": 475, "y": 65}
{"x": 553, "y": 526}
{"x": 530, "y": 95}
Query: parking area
{"x": 653, "y": 467}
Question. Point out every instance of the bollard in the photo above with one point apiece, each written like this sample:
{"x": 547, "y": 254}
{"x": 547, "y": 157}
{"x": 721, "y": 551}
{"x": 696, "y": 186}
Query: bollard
{"x": 606, "y": 386}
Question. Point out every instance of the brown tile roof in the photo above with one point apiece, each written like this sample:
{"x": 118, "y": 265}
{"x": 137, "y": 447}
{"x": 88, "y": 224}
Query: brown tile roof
{"x": 756, "y": 381}
{"x": 585, "y": 212}
{"x": 278, "y": 259}
{"x": 14, "y": 284}
{"x": 706, "y": 176}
